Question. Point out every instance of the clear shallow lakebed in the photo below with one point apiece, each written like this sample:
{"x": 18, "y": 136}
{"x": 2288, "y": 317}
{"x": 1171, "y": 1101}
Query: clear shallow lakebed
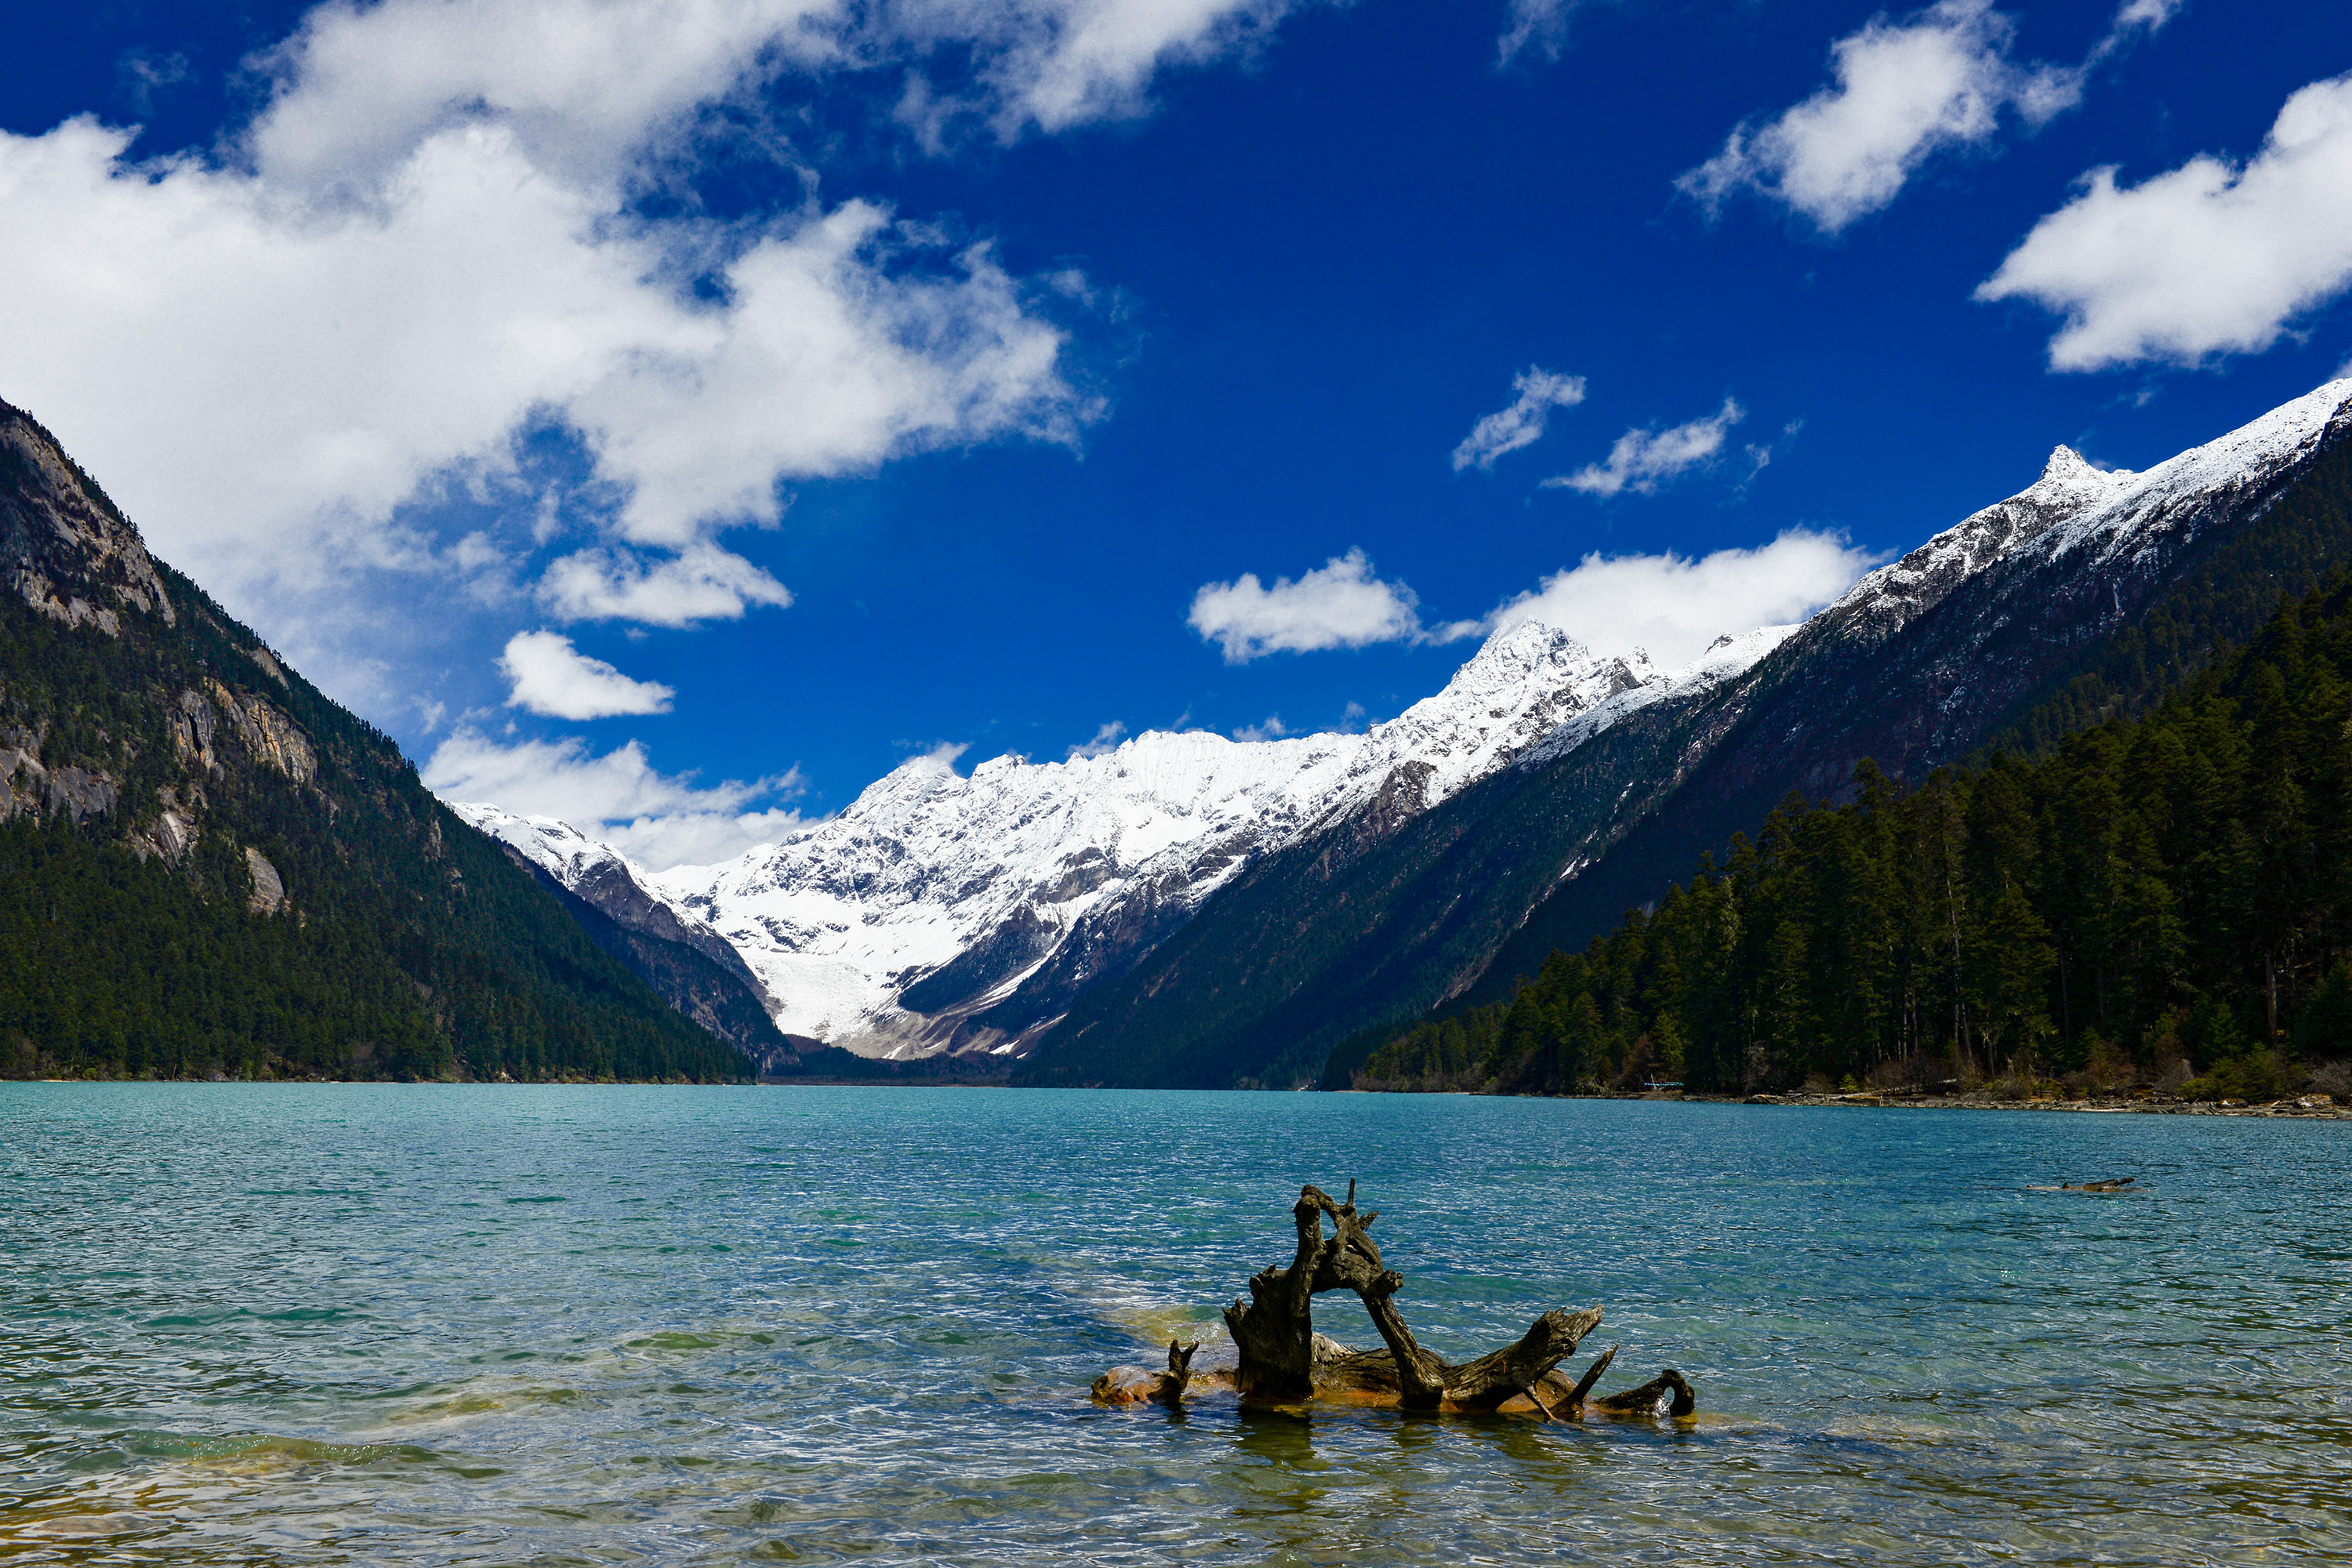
{"x": 390, "y": 1324}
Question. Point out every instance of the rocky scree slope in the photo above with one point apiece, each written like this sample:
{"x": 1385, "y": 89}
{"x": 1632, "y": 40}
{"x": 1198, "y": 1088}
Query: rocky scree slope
{"x": 206, "y": 866}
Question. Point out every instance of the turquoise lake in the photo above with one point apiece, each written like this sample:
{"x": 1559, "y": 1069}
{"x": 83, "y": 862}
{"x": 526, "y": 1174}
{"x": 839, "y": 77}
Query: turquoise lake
{"x": 395, "y": 1324}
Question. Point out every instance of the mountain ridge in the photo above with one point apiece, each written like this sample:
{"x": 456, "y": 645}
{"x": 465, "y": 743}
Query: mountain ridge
{"x": 945, "y": 911}
{"x": 1846, "y": 685}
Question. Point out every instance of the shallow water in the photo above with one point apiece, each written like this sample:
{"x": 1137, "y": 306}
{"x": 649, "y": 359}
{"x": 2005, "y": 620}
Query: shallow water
{"x": 387, "y": 1325}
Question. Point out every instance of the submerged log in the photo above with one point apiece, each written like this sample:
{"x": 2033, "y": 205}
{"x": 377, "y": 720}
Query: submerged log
{"x": 1285, "y": 1362}
{"x": 1125, "y": 1385}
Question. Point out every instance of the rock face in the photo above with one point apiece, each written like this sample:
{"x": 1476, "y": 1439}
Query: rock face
{"x": 942, "y": 911}
{"x": 254, "y": 881}
{"x": 268, "y": 897}
{"x": 64, "y": 550}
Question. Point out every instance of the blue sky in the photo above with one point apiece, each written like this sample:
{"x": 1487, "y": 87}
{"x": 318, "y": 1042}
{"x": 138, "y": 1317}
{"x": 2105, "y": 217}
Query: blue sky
{"x": 622, "y": 404}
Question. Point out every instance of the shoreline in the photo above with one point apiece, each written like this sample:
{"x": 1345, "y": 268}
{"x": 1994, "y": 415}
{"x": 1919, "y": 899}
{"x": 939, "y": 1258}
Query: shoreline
{"x": 2303, "y": 1107}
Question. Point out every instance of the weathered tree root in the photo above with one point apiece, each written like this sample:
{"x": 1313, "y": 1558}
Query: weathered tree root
{"x": 1285, "y": 1362}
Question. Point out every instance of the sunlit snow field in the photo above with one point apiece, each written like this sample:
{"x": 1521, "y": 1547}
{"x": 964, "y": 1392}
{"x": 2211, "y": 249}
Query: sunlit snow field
{"x": 262, "y": 1324}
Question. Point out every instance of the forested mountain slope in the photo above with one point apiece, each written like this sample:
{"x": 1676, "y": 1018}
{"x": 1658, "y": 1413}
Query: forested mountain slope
{"x": 207, "y": 866}
{"x": 687, "y": 962}
{"x": 2155, "y": 899}
{"x": 2091, "y": 614}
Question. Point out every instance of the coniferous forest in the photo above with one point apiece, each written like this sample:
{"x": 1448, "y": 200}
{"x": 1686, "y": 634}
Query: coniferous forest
{"x": 2165, "y": 900}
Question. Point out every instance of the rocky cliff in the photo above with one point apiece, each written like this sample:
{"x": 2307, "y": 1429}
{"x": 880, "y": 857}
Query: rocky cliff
{"x": 206, "y": 866}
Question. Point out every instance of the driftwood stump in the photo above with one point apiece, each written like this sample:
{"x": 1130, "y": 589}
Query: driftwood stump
{"x": 1285, "y": 1362}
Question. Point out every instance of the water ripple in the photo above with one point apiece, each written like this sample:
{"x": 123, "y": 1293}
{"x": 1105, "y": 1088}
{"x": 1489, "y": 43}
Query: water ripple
{"x": 309, "y": 1324}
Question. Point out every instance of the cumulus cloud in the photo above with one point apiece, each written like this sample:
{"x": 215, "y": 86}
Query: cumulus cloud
{"x": 1106, "y": 741}
{"x": 2213, "y": 257}
{"x": 1271, "y": 728}
{"x": 1674, "y": 605}
{"x": 1642, "y": 460}
{"x": 619, "y": 797}
{"x": 319, "y": 365}
{"x": 702, "y": 583}
{"x": 551, "y": 677}
{"x": 1539, "y": 392}
{"x": 1340, "y": 604}
{"x": 1671, "y": 605}
{"x": 1903, "y": 91}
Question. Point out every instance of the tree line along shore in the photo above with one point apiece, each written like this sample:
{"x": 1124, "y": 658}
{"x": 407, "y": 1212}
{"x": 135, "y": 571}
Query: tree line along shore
{"x": 2160, "y": 905}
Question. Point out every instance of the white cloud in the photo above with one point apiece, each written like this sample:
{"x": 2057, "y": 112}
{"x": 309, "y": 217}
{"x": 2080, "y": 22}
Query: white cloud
{"x": 1904, "y": 91}
{"x": 582, "y": 84}
{"x": 658, "y": 820}
{"x": 702, "y": 583}
{"x": 1642, "y": 460}
{"x": 2135, "y": 18}
{"x": 1538, "y": 24}
{"x": 1522, "y": 423}
{"x": 426, "y": 244}
{"x": 552, "y": 677}
{"x": 1674, "y": 606}
{"x": 1272, "y": 728}
{"x": 1338, "y": 604}
{"x": 1671, "y": 604}
{"x": 1053, "y": 64}
{"x": 1106, "y": 741}
{"x": 319, "y": 365}
{"x": 2211, "y": 258}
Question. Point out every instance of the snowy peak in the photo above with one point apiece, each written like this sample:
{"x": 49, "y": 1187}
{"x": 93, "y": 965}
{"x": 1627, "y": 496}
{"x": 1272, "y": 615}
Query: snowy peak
{"x": 2145, "y": 509}
{"x": 556, "y": 848}
{"x": 2069, "y": 476}
{"x": 2073, "y": 504}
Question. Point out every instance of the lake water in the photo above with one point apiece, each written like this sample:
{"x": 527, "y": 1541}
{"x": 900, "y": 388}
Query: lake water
{"x": 390, "y": 1324}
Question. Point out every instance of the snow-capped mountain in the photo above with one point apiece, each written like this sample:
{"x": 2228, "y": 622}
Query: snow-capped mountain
{"x": 943, "y": 911}
{"x": 934, "y": 895}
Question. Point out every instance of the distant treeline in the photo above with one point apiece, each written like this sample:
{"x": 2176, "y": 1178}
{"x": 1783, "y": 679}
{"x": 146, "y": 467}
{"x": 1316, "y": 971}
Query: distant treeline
{"x": 2164, "y": 898}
